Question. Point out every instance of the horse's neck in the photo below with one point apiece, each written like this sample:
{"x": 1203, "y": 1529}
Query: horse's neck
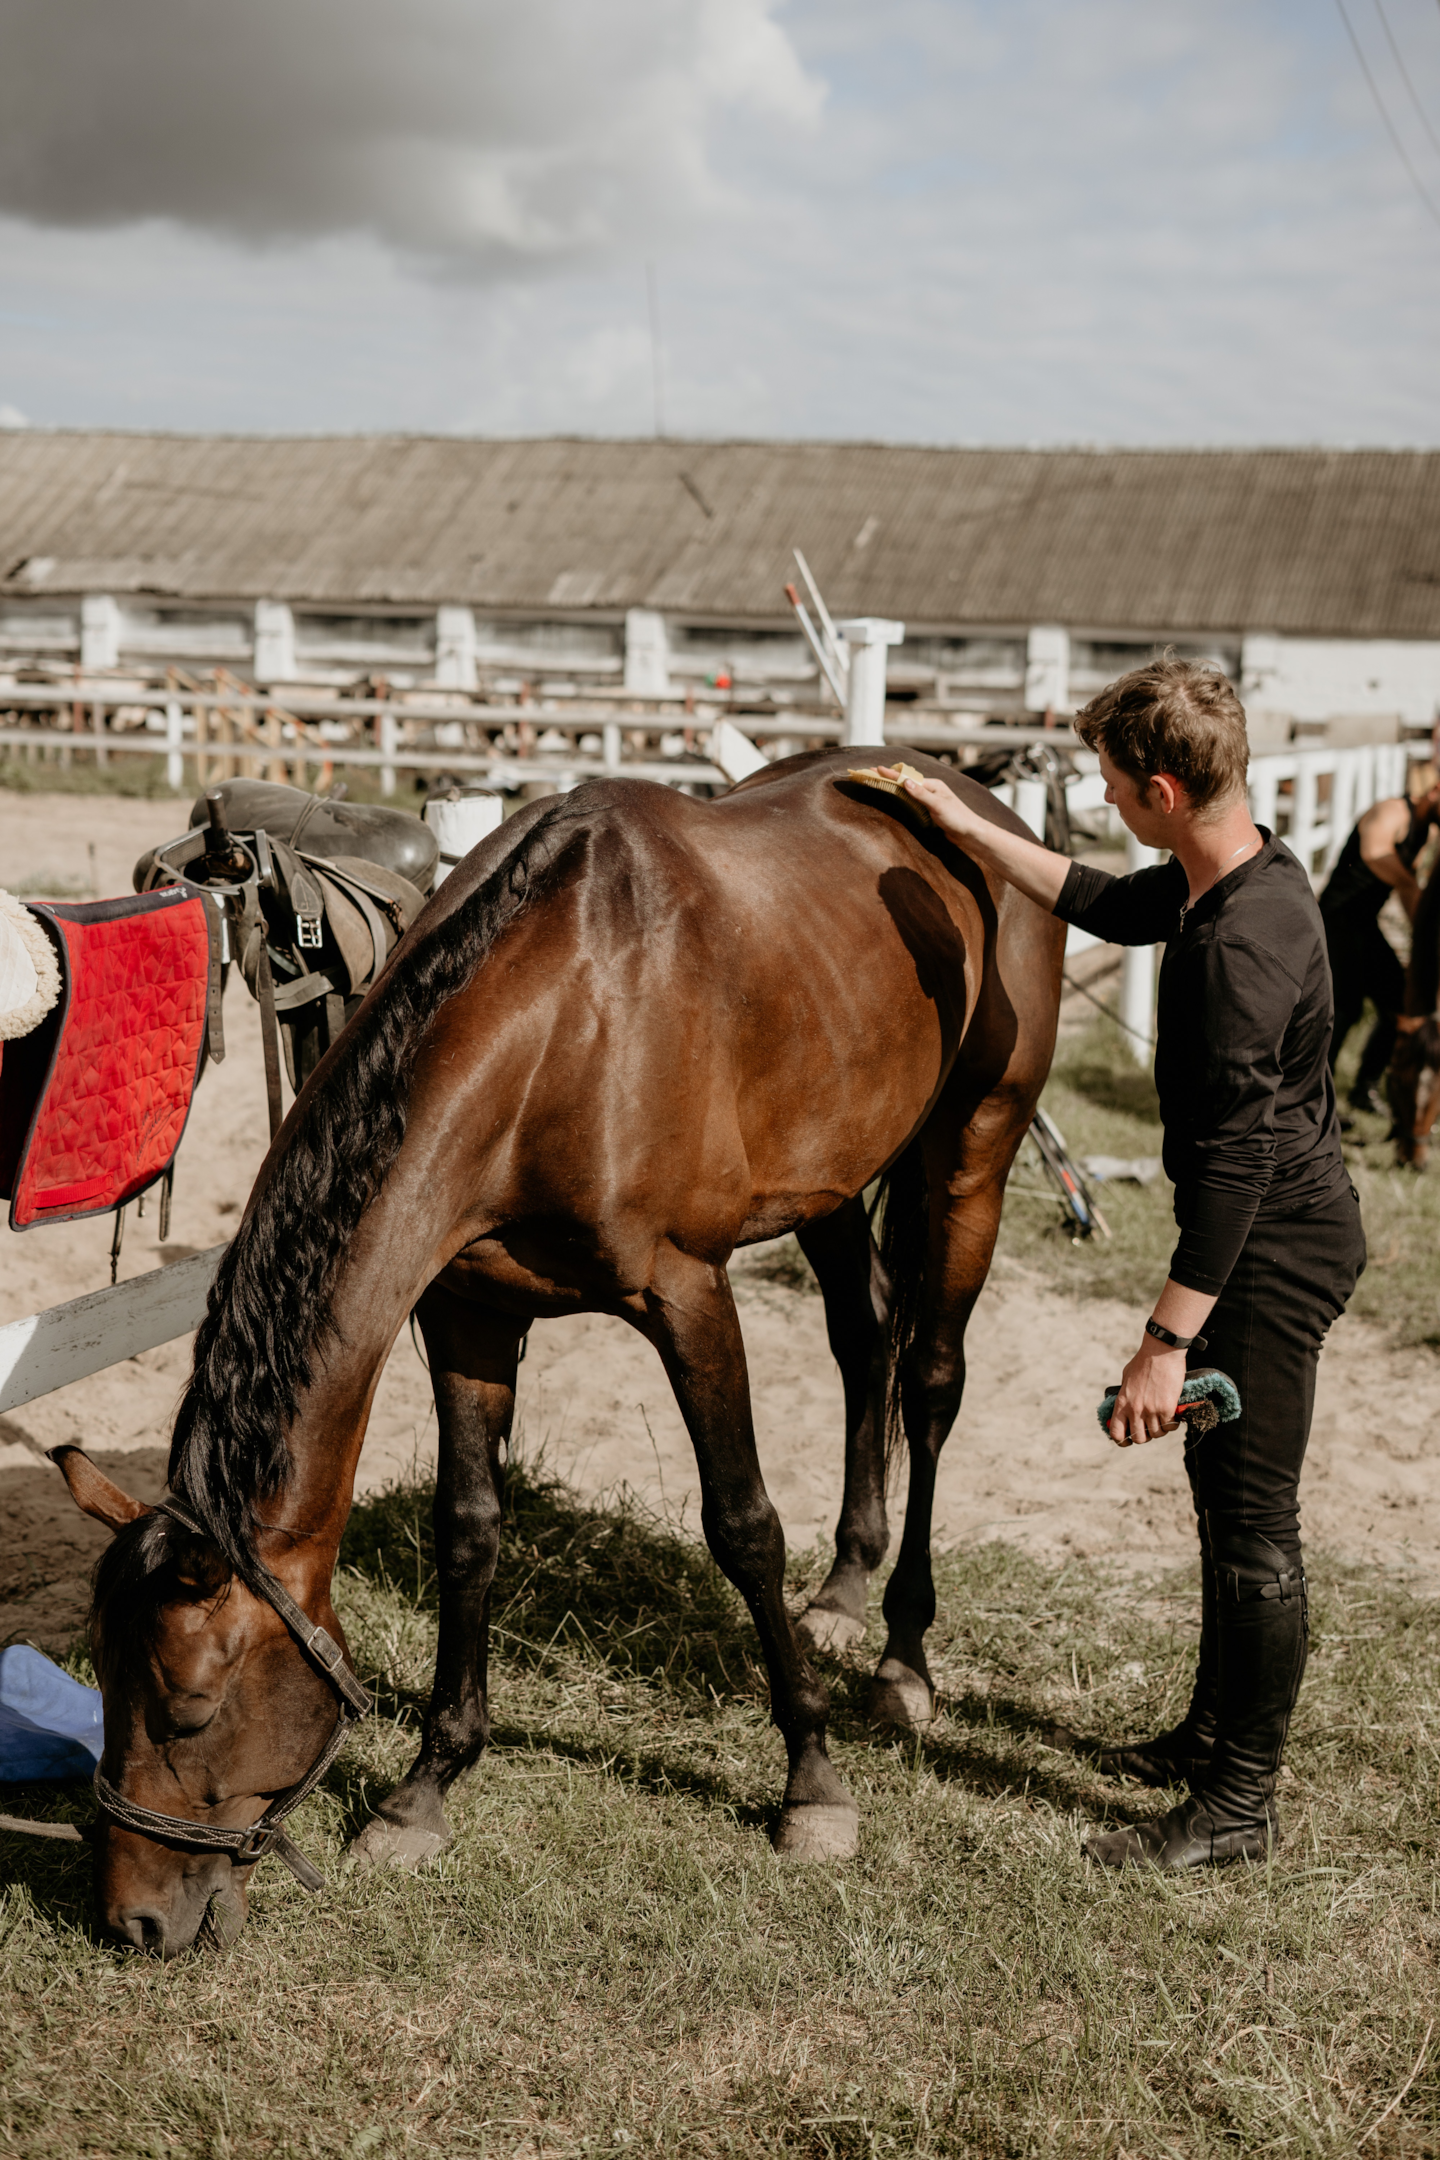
{"x": 324, "y": 1443}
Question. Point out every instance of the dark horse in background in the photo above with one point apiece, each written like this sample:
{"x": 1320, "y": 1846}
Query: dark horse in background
{"x": 1412, "y": 1084}
{"x": 631, "y": 1033}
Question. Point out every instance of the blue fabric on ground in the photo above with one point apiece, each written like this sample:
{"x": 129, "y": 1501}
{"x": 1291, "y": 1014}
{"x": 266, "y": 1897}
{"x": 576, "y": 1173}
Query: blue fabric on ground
{"x": 50, "y": 1726}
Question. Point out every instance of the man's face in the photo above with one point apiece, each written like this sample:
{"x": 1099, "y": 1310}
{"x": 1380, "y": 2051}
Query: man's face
{"x": 1133, "y": 800}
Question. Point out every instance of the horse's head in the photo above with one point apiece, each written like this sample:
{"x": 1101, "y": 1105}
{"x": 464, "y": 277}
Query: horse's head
{"x": 211, "y": 1710}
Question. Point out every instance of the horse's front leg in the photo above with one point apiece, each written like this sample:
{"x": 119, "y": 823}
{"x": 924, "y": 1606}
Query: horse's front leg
{"x": 473, "y": 1357}
{"x": 691, "y": 1320}
{"x": 847, "y": 1267}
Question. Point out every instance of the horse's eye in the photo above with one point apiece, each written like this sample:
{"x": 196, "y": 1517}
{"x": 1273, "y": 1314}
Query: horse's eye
{"x": 185, "y": 1724}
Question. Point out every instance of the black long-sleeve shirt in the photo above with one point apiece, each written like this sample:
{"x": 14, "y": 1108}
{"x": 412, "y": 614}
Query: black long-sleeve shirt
{"x": 1242, "y": 1038}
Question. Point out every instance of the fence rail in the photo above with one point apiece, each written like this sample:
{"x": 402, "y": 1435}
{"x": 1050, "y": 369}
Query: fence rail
{"x": 224, "y": 728}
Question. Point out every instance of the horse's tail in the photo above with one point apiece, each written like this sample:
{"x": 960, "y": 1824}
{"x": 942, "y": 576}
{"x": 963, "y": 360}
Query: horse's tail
{"x": 1423, "y": 988}
{"x": 904, "y": 1197}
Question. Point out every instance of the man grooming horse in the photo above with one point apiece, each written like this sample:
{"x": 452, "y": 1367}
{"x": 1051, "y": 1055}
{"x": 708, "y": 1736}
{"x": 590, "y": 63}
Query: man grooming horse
{"x": 1270, "y": 1240}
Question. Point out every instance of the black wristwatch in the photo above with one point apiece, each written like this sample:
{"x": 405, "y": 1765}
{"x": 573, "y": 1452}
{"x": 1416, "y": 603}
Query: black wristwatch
{"x": 1174, "y": 1342}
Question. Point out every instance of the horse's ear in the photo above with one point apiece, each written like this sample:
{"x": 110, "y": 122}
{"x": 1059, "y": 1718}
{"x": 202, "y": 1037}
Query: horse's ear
{"x": 91, "y": 1490}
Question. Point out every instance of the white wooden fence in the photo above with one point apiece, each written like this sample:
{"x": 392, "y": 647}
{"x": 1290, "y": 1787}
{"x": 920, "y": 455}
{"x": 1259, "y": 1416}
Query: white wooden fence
{"x": 48, "y": 1350}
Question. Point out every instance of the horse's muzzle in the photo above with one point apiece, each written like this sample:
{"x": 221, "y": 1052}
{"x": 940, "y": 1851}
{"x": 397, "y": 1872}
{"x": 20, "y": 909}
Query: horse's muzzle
{"x": 203, "y": 1910}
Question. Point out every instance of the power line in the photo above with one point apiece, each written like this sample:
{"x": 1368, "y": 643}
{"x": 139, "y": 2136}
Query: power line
{"x": 1380, "y": 107}
{"x": 657, "y": 372}
{"x": 1421, "y": 114}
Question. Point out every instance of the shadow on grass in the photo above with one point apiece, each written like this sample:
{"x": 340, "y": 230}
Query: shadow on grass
{"x": 54, "y": 1877}
{"x": 644, "y": 1602}
{"x": 994, "y": 1746}
{"x": 617, "y": 1587}
{"x": 1117, "y": 1084}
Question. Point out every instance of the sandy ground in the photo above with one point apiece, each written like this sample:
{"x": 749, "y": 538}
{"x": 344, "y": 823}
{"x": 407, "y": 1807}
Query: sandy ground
{"x": 1027, "y": 1461}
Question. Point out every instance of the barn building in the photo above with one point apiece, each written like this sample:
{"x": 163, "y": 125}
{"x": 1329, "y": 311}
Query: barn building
{"x": 1025, "y": 578}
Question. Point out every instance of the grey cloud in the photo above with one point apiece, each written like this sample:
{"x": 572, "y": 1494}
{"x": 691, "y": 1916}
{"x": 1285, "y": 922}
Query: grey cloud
{"x": 479, "y": 131}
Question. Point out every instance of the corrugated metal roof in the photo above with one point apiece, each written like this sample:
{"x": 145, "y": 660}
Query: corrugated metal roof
{"x": 1329, "y": 542}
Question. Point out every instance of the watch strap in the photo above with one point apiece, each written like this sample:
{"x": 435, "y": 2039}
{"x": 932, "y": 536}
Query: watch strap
{"x": 1171, "y": 1340}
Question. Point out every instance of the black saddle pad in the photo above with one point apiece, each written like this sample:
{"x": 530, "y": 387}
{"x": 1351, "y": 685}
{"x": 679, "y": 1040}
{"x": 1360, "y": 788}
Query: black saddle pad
{"x": 393, "y": 838}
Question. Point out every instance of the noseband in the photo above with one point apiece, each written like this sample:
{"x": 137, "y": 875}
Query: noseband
{"x": 245, "y": 1847}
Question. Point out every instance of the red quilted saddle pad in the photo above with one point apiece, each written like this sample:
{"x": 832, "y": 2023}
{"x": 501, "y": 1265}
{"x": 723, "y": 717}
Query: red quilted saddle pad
{"x": 94, "y": 1102}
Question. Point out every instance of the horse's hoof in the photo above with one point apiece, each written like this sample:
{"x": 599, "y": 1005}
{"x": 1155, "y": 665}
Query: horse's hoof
{"x": 821, "y": 1831}
{"x": 827, "y": 1630}
{"x": 906, "y": 1704}
{"x": 387, "y": 1844}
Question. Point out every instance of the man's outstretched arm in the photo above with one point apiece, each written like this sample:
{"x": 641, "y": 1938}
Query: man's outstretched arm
{"x": 1038, "y": 871}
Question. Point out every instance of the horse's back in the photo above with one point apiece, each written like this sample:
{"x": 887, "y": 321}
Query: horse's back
{"x": 731, "y": 1012}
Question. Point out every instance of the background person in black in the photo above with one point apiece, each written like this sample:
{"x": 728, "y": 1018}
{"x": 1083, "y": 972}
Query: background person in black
{"x": 1378, "y": 858}
{"x": 1270, "y": 1241}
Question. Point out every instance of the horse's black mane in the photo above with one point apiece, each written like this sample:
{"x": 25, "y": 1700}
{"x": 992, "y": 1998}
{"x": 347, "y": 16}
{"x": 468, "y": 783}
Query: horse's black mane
{"x": 269, "y": 1311}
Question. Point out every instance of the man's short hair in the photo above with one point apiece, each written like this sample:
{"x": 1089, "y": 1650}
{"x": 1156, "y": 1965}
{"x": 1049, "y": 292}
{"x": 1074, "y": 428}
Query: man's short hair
{"x": 1422, "y": 780}
{"x": 1176, "y": 717}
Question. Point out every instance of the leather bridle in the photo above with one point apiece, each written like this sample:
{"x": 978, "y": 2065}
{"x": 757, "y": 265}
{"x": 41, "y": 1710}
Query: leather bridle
{"x": 267, "y": 1835}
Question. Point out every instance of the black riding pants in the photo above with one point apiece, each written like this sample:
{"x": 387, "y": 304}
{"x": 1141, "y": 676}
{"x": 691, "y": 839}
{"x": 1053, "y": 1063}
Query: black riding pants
{"x": 1363, "y": 965}
{"x": 1292, "y": 1279}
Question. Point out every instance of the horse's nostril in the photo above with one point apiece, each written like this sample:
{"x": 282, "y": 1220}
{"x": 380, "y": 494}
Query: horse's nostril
{"x": 142, "y": 1931}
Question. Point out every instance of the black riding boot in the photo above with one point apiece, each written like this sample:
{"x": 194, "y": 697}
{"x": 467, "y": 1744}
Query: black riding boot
{"x": 1182, "y": 1755}
{"x": 1263, "y": 1638}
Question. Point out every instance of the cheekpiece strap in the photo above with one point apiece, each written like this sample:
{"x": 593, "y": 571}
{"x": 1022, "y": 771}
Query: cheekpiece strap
{"x": 317, "y": 1642}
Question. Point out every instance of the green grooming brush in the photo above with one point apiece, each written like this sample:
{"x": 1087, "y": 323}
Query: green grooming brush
{"x": 1208, "y": 1398}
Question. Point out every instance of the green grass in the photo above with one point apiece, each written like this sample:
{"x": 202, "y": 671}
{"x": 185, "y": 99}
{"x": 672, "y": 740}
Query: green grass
{"x": 1105, "y": 1104}
{"x": 132, "y": 774}
{"x": 610, "y": 1960}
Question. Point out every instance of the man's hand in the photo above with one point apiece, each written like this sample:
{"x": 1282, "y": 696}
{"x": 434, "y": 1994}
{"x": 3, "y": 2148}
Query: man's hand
{"x": 1038, "y": 871}
{"x": 1149, "y": 1395}
{"x": 951, "y": 814}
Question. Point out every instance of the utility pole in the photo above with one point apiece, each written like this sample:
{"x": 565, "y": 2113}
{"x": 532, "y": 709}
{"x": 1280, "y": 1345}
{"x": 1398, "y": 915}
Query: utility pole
{"x": 652, "y": 289}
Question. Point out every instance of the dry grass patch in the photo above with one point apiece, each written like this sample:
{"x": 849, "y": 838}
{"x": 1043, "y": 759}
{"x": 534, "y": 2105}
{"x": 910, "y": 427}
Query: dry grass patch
{"x": 611, "y": 1960}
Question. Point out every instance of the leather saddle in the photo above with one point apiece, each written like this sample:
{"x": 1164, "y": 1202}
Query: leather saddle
{"x": 319, "y": 825}
{"x": 316, "y": 895}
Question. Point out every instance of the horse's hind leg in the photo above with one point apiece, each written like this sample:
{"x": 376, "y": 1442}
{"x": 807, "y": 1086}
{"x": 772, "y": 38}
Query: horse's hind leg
{"x": 473, "y": 1356}
{"x": 693, "y": 1324}
{"x": 847, "y": 1267}
{"x": 965, "y": 1217}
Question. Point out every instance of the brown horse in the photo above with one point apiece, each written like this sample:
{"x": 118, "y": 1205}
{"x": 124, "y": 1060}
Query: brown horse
{"x": 631, "y": 1033}
{"x": 1412, "y": 1084}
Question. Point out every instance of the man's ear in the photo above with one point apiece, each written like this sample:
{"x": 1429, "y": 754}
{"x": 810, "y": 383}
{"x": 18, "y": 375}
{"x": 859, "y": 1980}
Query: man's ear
{"x": 91, "y": 1490}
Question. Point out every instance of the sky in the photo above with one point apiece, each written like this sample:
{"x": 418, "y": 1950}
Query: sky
{"x": 939, "y": 221}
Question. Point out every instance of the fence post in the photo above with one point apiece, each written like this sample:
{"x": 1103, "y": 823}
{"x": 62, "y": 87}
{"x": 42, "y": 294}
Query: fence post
{"x": 1264, "y": 793}
{"x": 610, "y": 741}
{"x": 1137, "y": 977}
{"x": 174, "y": 746}
{"x": 867, "y": 637}
{"x": 1364, "y": 780}
{"x": 1302, "y": 811}
{"x": 97, "y": 720}
{"x": 389, "y": 744}
{"x": 1342, "y": 799}
{"x": 1031, "y": 800}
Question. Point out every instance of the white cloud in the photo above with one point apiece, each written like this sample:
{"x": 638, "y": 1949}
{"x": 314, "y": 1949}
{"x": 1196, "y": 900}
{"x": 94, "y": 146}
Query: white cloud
{"x": 943, "y": 220}
{"x": 476, "y": 132}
